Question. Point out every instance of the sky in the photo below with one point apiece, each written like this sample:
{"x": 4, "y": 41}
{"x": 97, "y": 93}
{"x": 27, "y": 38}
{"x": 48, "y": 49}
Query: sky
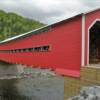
{"x": 48, "y": 11}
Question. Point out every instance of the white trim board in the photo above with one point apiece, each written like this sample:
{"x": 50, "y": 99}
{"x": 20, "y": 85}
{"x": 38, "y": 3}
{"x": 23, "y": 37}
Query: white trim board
{"x": 83, "y": 41}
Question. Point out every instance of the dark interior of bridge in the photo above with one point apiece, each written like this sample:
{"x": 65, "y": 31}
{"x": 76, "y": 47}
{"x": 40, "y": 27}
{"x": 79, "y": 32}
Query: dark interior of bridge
{"x": 94, "y": 44}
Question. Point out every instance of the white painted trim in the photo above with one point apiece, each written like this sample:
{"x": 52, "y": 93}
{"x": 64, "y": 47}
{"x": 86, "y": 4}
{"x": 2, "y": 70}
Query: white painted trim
{"x": 83, "y": 41}
{"x": 89, "y": 38}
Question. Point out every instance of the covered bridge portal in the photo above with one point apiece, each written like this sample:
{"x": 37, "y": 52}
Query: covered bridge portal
{"x": 63, "y": 47}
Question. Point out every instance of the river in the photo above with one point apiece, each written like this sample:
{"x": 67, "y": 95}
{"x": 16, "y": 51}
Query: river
{"x": 32, "y": 88}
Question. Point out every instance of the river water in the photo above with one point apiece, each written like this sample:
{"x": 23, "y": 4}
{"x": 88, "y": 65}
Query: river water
{"x": 32, "y": 88}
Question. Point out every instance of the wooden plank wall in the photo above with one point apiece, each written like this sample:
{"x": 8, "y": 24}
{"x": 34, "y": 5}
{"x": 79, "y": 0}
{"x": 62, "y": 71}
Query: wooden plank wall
{"x": 89, "y": 77}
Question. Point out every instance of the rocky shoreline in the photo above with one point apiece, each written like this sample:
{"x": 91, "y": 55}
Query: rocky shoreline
{"x": 88, "y": 93}
{"x": 30, "y": 73}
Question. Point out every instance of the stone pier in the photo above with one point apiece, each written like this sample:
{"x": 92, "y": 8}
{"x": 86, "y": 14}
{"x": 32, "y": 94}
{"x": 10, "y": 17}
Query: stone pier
{"x": 7, "y": 69}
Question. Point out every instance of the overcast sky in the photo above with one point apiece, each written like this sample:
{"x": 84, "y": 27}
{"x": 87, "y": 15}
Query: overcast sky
{"x": 48, "y": 11}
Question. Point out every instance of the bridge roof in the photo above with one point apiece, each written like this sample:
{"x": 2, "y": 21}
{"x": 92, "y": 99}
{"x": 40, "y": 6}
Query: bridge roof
{"x": 40, "y": 30}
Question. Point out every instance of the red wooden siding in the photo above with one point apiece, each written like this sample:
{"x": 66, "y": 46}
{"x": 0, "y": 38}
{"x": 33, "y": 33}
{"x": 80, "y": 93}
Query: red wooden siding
{"x": 65, "y": 48}
{"x": 90, "y": 18}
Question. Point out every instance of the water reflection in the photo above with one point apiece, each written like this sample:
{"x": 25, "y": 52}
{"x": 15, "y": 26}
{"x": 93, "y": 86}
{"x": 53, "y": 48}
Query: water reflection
{"x": 32, "y": 89}
{"x": 33, "y": 86}
{"x": 9, "y": 91}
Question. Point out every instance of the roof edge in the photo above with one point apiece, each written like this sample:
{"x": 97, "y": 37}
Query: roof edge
{"x": 24, "y": 34}
{"x": 87, "y": 12}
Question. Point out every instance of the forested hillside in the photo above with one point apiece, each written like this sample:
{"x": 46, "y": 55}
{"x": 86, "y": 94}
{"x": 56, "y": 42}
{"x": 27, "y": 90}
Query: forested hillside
{"x": 12, "y": 24}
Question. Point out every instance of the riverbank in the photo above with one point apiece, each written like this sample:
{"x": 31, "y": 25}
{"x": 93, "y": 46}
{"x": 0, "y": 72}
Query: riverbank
{"x": 30, "y": 73}
{"x": 33, "y": 84}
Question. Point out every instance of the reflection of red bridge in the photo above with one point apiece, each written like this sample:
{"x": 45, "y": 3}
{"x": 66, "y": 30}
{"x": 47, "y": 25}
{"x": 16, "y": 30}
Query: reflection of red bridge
{"x": 62, "y": 46}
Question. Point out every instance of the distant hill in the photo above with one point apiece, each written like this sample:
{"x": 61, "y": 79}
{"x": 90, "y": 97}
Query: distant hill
{"x": 12, "y": 24}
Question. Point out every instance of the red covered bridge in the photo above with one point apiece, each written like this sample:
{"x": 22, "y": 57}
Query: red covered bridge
{"x": 63, "y": 47}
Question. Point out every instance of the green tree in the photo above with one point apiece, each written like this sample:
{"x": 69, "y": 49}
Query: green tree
{"x": 12, "y": 24}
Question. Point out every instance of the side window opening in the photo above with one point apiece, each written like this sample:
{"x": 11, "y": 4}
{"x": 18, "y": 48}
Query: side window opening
{"x": 34, "y": 49}
{"x": 45, "y": 48}
{"x": 30, "y": 49}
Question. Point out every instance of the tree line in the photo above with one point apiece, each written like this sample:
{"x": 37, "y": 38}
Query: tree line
{"x": 12, "y": 24}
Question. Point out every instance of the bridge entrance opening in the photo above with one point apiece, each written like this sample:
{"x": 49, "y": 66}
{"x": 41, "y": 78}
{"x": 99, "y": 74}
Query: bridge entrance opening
{"x": 94, "y": 43}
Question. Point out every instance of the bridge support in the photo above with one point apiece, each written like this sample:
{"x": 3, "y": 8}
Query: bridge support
{"x": 7, "y": 69}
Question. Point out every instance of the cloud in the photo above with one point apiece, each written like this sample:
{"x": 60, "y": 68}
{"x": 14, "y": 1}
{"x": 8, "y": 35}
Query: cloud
{"x": 91, "y": 3}
{"x": 48, "y": 11}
